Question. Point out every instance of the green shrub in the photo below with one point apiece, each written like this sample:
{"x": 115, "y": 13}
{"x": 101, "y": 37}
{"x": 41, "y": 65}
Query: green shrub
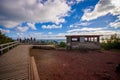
{"x": 62, "y": 44}
{"x": 112, "y": 43}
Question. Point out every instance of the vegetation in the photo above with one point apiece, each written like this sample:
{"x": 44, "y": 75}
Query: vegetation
{"x": 112, "y": 43}
{"x": 4, "y": 39}
{"x": 62, "y": 44}
{"x": 52, "y": 42}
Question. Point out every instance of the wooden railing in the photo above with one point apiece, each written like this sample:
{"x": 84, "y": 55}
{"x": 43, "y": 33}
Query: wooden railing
{"x": 7, "y": 46}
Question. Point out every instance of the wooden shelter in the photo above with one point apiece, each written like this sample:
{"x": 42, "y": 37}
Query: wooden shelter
{"x": 83, "y": 41}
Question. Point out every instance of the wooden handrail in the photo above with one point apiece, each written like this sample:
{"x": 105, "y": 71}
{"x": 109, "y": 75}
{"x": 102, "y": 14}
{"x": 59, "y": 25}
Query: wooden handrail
{"x": 7, "y": 43}
{"x": 7, "y": 46}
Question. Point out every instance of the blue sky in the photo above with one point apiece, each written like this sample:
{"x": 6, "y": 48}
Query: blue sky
{"x": 53, "y": 19}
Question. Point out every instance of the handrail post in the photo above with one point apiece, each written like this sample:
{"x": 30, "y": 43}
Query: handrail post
{"x": 1, "y": 51}
{"x": 12, "y": 45}
{"x": 8, "y": 46}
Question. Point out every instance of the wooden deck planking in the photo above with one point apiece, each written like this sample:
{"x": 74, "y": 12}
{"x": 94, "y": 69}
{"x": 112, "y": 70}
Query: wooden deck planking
{"x": 14, "y": 65}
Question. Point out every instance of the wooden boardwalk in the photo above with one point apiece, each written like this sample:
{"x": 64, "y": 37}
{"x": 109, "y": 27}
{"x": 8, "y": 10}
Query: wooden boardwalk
{"x": 14, "y": 65}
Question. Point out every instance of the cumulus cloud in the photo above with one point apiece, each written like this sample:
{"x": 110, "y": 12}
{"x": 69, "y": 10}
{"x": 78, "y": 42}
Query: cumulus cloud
{"x": 32, "y": 26}
{"x": 116, "y": 23}
{"x": 13, "y": 12}
{"x": 8, "y": 23}
{"x": 51, "y": 26}
{"x": 22, "y": 29}
{"x": 102, "y": 8}
{"x": 4, "y": 30}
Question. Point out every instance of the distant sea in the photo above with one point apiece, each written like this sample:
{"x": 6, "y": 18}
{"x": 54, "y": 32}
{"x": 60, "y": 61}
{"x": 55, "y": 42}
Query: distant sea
{"x": 57, "y": 40}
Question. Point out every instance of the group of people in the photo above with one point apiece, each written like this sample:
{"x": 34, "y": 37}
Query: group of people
{"x": 26, "y": 40}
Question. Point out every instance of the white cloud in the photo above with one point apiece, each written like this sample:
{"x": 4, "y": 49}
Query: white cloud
{"x": 84, "y": 29}
{"x": 49, "y": 33}
{"x": 95, "y": 32}
{"x": 73, "y": 30}
{"x": 8, "y": 23}
{"x": 4, "y": 30}
{"x": 115, "y": 24}
{"x": 23, "y": 35}
{"x": 115, "y": 2}
{"x": 22, "y": 29}
{"x": 20, "y": 35}
{"x": 39, "y": 35}
{"x": 84, "y": 23}
{"x": 105, "y": 33}
{"x": 51, "y": 26}
{"x": 79, "y": 1}
{"x": 78, "y": 24}
{"x": 72, "y": 2}
{"x": 118, "y": 17}
{"x": 33, "y": 11}
{"x": 91, "y": 29}
{"x": 102, "y": 8}
{"x": 32, "y": 26}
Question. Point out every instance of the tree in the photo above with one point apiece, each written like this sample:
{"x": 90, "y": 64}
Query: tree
{"x": 4, "y": 39}
{"x": 50, "y": 43}
{"x": 62, "y": 44}
{"x": 112, "y": 43}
